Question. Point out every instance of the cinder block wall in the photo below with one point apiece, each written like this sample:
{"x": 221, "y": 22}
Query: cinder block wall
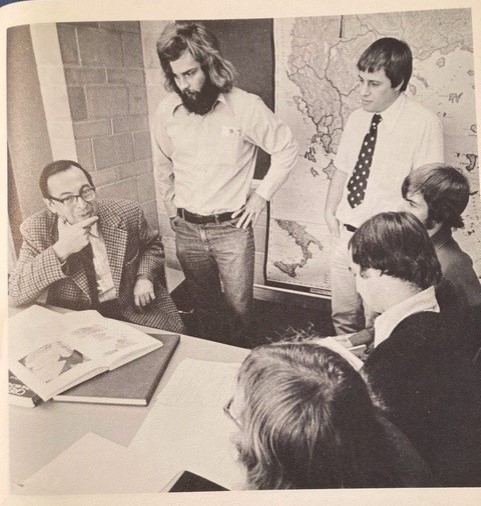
{"x": 105, "y": 77}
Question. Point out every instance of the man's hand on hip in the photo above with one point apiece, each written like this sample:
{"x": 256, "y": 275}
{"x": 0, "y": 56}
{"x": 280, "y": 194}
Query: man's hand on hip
{"x": 143, "y": 292}
{"x": 249, "y": 214}
{"x": 73, "y": 238}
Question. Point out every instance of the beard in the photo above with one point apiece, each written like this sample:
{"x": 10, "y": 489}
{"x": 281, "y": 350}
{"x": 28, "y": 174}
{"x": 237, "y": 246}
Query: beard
{"x": 200, "y": 102}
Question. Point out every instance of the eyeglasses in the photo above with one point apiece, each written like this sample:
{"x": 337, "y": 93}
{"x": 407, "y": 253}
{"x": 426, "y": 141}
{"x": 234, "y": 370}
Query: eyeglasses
{"x": 87, "y": 194}
{"x": 228, "y": 414}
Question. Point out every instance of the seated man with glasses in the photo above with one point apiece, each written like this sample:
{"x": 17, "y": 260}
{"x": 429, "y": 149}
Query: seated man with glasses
{"x": 89, "y": 253}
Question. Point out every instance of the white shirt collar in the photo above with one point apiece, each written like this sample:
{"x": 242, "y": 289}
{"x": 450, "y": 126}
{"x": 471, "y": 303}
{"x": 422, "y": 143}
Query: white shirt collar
{"x": 391, "y": 114}
{"x": 385, "y": 323}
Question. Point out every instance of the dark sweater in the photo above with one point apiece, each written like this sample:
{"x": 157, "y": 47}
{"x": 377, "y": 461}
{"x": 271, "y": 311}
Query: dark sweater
{"x": 429, "y": 390}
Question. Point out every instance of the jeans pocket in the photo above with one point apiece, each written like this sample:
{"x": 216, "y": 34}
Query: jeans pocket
{"x": 231, "y": 223}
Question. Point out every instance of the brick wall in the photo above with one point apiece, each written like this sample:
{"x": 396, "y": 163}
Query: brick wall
{"x": 105, "y": 77}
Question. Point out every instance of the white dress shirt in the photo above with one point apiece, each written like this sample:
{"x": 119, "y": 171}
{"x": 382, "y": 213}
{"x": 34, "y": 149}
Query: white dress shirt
{"x": 408, "y": 137}
{"x": 205, "y": 163}
{"x": 105, "y": 283}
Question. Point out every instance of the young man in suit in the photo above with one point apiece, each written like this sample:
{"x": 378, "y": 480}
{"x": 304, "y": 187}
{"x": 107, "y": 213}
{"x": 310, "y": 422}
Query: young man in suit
{"x": 425, "y": 381}
{"x": 382, "y": 142}
{"x": 90, "y": 253}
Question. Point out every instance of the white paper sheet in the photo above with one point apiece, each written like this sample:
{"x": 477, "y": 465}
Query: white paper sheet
{"x": 187, "y": 425}
{"x": 186, "y": 429}
{"x": 92, "y": 465}
{"x": 200, "y": 384}
{"x": 195, "y": 440}
{"x": 332, "y": 344}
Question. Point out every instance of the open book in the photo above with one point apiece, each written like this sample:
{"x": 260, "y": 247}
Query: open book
{"x": 52, "y": 356}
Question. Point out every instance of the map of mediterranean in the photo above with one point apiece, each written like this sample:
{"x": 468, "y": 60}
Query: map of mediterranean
{"x": 316, "y": 86}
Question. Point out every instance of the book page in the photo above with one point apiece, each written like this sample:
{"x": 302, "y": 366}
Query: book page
{"x": 53, "y": 356}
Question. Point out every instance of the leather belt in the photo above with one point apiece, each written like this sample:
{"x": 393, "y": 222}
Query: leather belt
{"x": 199, "y": 219}
{"x": 350, "y": 228}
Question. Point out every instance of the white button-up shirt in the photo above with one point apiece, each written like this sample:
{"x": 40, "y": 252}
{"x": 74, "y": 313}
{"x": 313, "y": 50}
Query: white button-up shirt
{"x": 408, "y": 137}
{"x": 205, "y": 163}
{"x": 105, "y": 283}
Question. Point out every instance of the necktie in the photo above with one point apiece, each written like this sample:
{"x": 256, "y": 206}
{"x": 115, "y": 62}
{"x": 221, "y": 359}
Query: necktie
{"x": 87, "y": 259}
{"x": 358, "y": 182}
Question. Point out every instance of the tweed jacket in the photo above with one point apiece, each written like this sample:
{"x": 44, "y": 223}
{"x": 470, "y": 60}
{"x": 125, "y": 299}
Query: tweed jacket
{"x": 133, "y": 249}
{"x": 428, "y": 388}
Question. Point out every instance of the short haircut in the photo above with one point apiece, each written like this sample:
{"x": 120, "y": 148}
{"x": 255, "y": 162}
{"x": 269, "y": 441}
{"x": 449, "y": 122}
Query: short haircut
{"x": 202, "y": 45}
{"x": 56, "y": 167}
{"x": 398, "y": 245}
{"x": 392, "y": 55}
{"x": 308, "y": 422}
{"x": 445, "y": 191}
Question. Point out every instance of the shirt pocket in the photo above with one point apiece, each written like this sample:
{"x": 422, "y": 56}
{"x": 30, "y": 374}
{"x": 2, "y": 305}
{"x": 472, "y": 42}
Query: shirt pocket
{"x": 228, "y": 145}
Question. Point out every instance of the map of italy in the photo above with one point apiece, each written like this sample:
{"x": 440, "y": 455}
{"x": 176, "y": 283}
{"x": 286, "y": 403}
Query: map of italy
{"x": 317, "y": 89}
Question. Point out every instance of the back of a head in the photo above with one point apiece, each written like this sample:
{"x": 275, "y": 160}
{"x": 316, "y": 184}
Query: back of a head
{"x": 445, "y": 191}
{"x": 398, "y": 245}
{"x": 203, "y": 46}
{"x": 393, "y": 56}
{"x": 308, "y": 421}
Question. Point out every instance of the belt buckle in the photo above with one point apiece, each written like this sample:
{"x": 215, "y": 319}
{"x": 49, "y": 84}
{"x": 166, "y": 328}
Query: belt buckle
{"x": 216, "y": 219}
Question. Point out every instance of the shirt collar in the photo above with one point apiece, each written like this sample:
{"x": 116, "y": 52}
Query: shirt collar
{"x": 385, "y": 323}
{"x": 391, "y": 114}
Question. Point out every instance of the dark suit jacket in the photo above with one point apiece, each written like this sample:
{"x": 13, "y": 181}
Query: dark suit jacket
{"x": 132, "y": 248}
{"x": 459, "y": 293}
{"x": 428, "y": 388}
{"x": 457, "y": 268}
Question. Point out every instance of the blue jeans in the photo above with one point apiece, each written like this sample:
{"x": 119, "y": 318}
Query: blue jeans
{"x": 218, "y": 264}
